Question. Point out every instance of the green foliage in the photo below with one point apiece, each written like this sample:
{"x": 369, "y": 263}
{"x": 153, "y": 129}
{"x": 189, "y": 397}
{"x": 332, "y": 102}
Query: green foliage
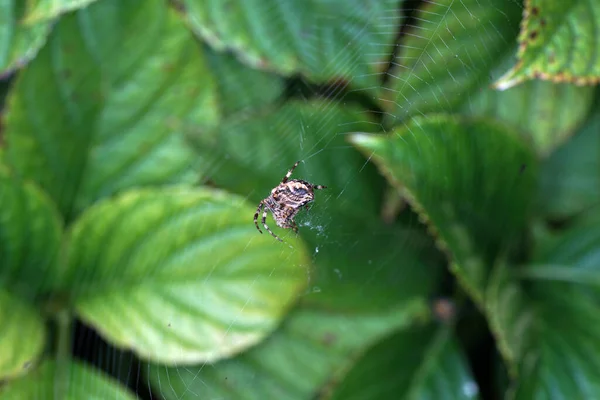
{"x": 22, "y": 336}
{"x": 449, "y": 56}
{"x": 546, "y": 114}
{"x": 42, "y": 10}
{"x": 61, "y": 137}
{"x": 260, "y": 86}
{"x": 577, "y": 164}
{"x": 558, "y": 305}
{"x": 299, "y": 35}
{"x": 558, "y": 42}
{"x": 246, "y": 143}
{"x": 30, "y": 235}
{"x": 180, "y": 265}
{"x": 432, "y": 367}
{"x": 472, "y": 180}
{"x": 316, "y": 345}
{"x": 19, "y": 42}
{"x": 138, "y": 137}
{"x": 78, "y": 382}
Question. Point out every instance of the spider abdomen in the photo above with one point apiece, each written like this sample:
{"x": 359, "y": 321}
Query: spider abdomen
{"x": 294, "y": 194}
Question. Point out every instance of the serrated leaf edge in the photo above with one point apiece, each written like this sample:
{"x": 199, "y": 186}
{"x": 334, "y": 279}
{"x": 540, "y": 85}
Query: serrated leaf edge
{"x": 512, "y": 78}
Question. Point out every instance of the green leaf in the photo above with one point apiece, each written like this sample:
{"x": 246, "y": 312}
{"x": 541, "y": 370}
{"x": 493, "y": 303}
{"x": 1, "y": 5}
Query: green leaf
{"x": 43, "y": 10}
{"x": 181, "y": 275}
{"x": 115, "y": 76}
{"x": 449, "y": 55}
{"x": 311, "y": 348}
{"x": 575, "y": 249}
{"x": 381, "y": 267}
{"x": 558, "y": 42}
{"x": 552, "y": 323}
{"x": 242, "y": 88}
{"x": 472, "y": 180}
{"x": 510, "y": 317}
{"x": 544, "y": 113}
{"x": 81, "y": 382}
{"x": 339, "y": 39}
{"x": 19, "y": 43}
{"x": 565, "y": 360}
{"x": 570, "y": 178}
{"x": 417, "y": 363}
{"x": 22, "y": 335}
{"x": 30, "y": 236}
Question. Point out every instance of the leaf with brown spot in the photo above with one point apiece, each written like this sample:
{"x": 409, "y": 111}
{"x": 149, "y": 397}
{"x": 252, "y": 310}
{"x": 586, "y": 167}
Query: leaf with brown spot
{"x": 565, "y": 31}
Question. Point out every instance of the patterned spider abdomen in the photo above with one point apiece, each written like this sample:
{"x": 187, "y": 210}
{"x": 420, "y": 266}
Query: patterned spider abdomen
{"x": 295, "y": 193}
{"x": 287, "y": 200}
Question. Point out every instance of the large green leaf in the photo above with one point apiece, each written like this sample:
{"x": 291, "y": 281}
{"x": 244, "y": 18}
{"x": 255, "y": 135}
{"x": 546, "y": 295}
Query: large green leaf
{"x": 551, "y": 322}
{"x": 80, "y": 382}
{"x": 570, "y": 178}
{"x": 42, "y": 10}
{"x": 181, "y": 275}
{"x": 348, "y": 39}
{"x": 449, "y": 55}
{"x": 30, "y": 236}
{"x": 22, "y": 335}
{"x": 472, "y": 180}
{"x": 312, "y": 347}
{"x": 19, "y": 43}
{"x": 115, "y": 76}
{"x": 559, "y": 42}
{"x": 418, "y": 363}
{"x": 544, "y": 113}
{"x": 241, "y": 88}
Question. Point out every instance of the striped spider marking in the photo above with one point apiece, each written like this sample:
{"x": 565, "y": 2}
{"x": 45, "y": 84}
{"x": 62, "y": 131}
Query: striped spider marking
{"x": 285, "y": 201}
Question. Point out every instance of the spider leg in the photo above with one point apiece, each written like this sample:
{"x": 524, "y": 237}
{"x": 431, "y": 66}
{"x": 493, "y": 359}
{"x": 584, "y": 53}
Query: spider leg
{"x": 260, "y": 205}
{"x": 294, "y": 227}
{"x": 264, "y": 222}
{"x": 319, "y": 187}
{"x": 287, "y": 176}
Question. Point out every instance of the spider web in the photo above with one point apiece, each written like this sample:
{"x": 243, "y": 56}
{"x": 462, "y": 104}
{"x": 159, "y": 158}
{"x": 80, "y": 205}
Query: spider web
{"x": 397, "y": 81}
{"x": 420, "y": 22}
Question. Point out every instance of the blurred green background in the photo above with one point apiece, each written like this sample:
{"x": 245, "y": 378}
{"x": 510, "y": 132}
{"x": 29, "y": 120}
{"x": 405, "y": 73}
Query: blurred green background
{"x": 455, "y": 253}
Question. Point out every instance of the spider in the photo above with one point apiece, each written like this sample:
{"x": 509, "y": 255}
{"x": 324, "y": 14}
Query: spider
{"x": 285, "y": 201}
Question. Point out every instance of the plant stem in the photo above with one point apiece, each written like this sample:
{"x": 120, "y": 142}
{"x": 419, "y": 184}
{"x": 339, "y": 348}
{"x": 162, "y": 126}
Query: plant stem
{"x": 63, "y": 353}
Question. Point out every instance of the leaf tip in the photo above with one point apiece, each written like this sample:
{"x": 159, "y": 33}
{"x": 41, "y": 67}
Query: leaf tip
{"x": 508, "y": 80}
{"x": 364, "y": 140}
